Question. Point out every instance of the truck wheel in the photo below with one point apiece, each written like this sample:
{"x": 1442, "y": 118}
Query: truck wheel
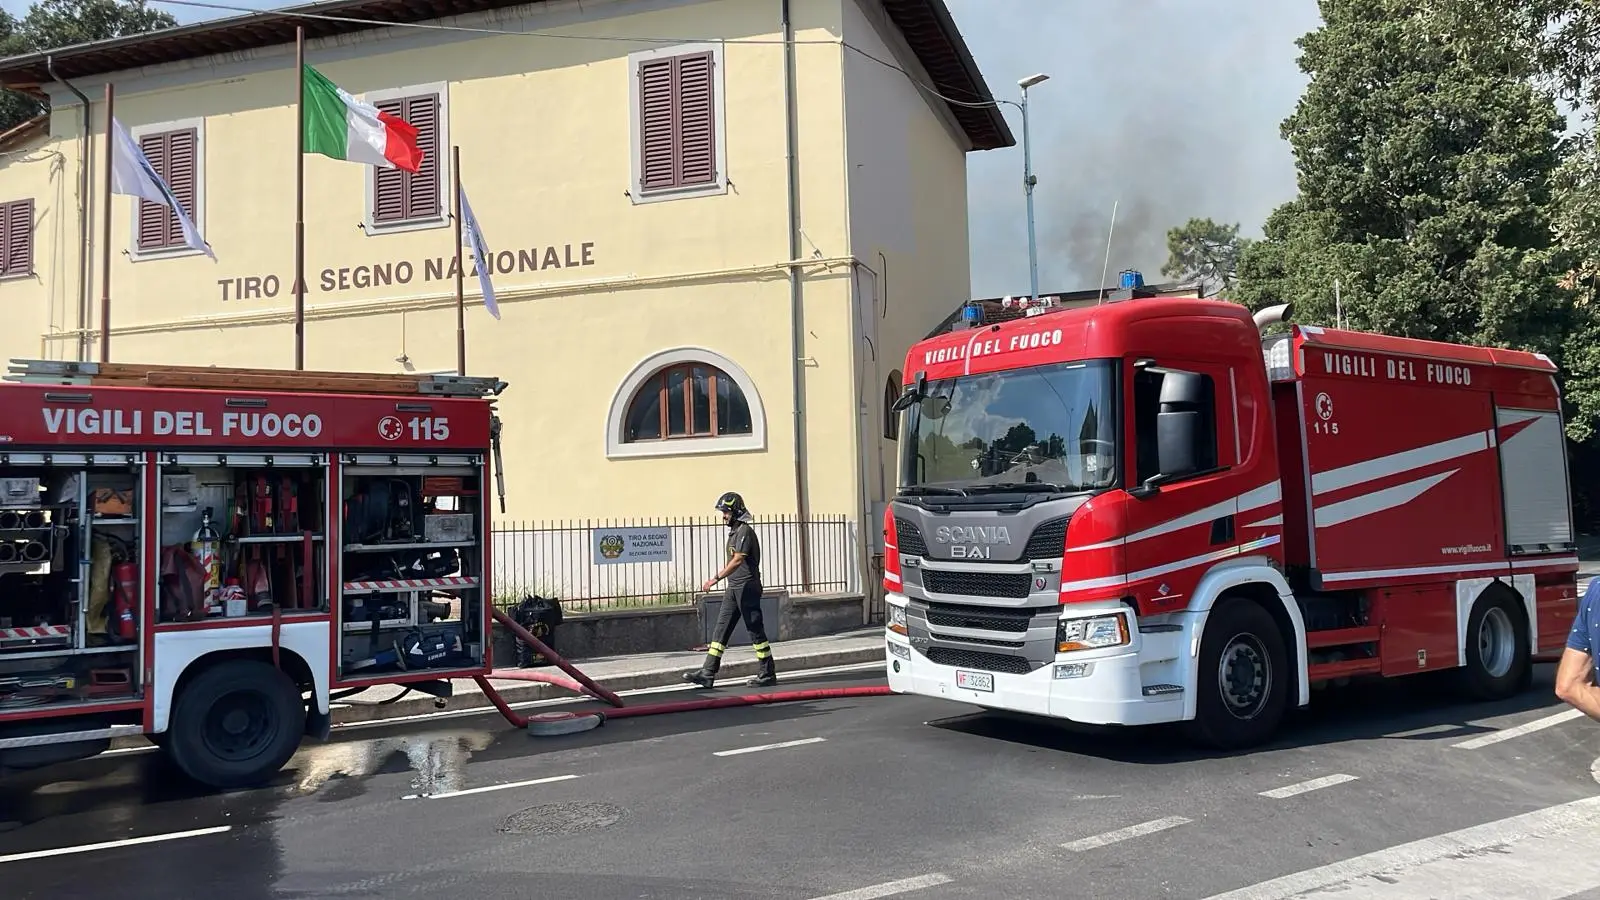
{"x": 236, "y": 724}
{"x": 1244, "y": 677}
{"x": 1499, "y": 664}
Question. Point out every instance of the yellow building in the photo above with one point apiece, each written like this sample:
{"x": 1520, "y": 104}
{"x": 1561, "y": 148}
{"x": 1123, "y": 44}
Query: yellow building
{"x": 711, "y": 247}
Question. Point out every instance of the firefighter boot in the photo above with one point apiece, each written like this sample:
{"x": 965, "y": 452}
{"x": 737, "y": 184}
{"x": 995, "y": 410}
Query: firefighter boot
{"x": 766, "y": 674}
{"x": 707, "y": 676}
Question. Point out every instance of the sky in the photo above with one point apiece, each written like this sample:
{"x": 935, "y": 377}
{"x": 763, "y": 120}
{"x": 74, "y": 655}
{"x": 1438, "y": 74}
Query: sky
{"x": 1167, "y": 109}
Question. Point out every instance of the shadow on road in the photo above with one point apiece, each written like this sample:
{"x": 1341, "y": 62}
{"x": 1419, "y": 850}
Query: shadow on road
{"x": 1419, "y": 708}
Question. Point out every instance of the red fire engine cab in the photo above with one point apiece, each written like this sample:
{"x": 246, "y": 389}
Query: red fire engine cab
{"x": 1146, "y": 511}
{"x": 204, "y": 555}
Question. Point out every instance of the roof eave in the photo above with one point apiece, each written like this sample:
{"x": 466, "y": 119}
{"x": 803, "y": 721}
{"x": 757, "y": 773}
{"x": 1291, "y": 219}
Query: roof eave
{"x": 947, "y": 24}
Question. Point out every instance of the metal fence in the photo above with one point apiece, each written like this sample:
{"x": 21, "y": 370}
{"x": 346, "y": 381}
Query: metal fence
{"x": 627, "y": 563}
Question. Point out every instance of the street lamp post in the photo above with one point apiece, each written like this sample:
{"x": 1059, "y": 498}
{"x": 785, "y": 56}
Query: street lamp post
{"x": 1028, "y": 181}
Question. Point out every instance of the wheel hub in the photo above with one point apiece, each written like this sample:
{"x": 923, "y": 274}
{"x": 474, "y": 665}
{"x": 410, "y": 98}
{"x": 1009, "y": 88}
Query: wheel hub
{"x": 238, "y": 726}
{"x": 1243, "y": 676}
{"x": 1496, "y": 642}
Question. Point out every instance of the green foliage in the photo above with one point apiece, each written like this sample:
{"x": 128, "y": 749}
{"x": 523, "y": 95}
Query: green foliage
{"x": 51, "y": 24}
{"x": 1206, "y": 252}
{"x": 1427, "y": 150}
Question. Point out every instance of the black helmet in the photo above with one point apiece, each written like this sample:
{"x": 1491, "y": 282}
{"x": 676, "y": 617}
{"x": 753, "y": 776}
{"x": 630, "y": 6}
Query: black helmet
{"x": 731, "y": 502}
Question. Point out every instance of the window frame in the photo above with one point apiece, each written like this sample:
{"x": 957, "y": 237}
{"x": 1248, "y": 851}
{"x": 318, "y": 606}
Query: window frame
{"x": 719, "y": 185}
{"x": 178, "y": 250}
{"x": 658, "y": 364}
{"x": 369, "y": 223}
{"x": 30, "y": 266}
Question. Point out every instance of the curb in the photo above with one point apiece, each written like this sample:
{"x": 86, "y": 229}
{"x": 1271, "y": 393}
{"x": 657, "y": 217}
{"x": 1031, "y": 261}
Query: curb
{"x": 524, "y": 692}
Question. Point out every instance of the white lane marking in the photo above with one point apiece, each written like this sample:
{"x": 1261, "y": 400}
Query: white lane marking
{"x": 778, "y": 746}
{"x": 1483, "y": 843}
{"x": 890, "y": 888}
{"x": 1305, "y": 787}
{"x": 1122, "y": 834}
{"x": 493, "y": 787}
{"x": 1495, "y": 737}
{"x": 107, "y": 845}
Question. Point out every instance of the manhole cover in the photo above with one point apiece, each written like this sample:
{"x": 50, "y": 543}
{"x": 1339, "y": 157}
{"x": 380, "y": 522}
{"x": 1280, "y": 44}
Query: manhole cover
{"x": 562, "y": 818}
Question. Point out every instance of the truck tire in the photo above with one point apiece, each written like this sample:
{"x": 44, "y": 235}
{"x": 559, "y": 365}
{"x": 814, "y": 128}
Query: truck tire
{"x": 235, "y": 724}
{"x": 1243, "y": 681}
{"x": 1499, "y": 663}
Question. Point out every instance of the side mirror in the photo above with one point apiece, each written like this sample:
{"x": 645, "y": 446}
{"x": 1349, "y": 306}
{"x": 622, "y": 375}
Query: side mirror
{"x": 912, "y": 394}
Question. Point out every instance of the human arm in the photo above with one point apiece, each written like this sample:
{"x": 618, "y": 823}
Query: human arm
{"x": 1575, "y": 683}
{"x": 733, "y": 563}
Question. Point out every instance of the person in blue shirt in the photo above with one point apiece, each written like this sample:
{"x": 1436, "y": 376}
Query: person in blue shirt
{"x": 1575, "y": 676}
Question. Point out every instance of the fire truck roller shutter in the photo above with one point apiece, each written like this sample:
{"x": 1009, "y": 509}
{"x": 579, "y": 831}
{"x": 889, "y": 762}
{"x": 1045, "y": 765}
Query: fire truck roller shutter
{"x": 1247, "y": 581}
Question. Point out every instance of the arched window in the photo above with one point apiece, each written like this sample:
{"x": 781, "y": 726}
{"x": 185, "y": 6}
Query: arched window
{"x": 691, "y": 400}
{"x": 891, "y": 393}
{"x": 685, "y": 401}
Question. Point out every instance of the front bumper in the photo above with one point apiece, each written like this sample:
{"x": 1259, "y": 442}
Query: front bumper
{"x": 1140, "y": 683}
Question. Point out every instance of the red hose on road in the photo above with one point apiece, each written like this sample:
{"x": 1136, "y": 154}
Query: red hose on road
{"x": 875, "y": 690}
{"x": 540, "y": 678}
{"x": 527, "y": 638}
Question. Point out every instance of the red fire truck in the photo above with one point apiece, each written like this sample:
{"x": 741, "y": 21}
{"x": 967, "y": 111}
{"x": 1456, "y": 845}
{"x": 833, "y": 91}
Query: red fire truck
{"x": 1149, "y": 511}
{"x": 205, "y": 555}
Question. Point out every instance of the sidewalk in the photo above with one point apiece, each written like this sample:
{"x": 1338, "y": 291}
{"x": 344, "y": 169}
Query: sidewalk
{"x": 626, "y": 673}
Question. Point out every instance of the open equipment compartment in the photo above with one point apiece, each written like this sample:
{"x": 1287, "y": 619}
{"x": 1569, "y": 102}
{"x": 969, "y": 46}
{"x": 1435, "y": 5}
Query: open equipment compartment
{"x": 412, "y": 561}
{"x": 71, "y": 588}
{"x": 242, "y": 535}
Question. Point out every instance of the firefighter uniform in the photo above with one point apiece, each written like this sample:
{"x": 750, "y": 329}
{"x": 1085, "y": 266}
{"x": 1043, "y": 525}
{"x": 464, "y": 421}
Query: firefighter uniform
{"x": 742, "y": 599}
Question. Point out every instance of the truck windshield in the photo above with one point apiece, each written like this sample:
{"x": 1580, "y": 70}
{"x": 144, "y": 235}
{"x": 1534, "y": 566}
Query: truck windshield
{"x": 1041, "y": 428}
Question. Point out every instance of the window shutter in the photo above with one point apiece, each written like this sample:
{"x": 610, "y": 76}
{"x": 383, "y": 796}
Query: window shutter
{"x": 422, "y": 200}
{"x": 180, "y": 176}
{"x": 697, "y": 149}
{"x": 16, "y": 238}
{"x": 389, "y": 185}
{"x": 657, "y": 125}
{"x": 152, "y": 226}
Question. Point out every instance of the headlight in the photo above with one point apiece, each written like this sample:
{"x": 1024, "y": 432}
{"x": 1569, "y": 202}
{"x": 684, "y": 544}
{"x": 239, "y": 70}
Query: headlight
{"x": 1092, "y": 633}
{"x": 897, "y": 619}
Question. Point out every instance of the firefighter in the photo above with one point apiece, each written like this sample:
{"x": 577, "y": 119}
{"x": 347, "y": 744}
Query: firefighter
{"x": 743, "y": 597}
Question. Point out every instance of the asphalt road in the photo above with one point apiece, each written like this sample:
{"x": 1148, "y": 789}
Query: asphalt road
{"x": 865, "y": 798}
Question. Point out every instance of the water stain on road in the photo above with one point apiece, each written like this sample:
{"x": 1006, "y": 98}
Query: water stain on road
{"x": 438, "y": 761}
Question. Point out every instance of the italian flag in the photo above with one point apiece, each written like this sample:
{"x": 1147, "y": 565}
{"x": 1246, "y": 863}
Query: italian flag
{"x": 340, "y": 126}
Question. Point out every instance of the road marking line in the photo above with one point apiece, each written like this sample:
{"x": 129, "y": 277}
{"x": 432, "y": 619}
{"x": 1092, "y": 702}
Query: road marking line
{"x": 1495, "y": 737}
{"x": 130, "y": 842}
{"x": 779, "y": 746}
{"x": 492, "y": 787}
{"x": 1463, "y": 844}
{"x": 1304, "y": 787}
{"x": 1122, "y": 834}
{"x": 890, "y": 888}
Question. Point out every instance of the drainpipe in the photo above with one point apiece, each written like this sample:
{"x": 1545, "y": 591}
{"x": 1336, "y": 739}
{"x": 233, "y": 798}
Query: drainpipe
{"x": 83, "y": 213}
{"x": 796, "y": 295}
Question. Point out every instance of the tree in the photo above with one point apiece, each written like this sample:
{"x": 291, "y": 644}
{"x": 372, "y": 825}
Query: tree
{"x": 50, "y": 24}
{"x": 1425, "y": 153}
{"x": 1205, "y": 251}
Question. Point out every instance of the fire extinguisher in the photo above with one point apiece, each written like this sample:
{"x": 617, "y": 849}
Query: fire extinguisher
{"x": 205, "y": 551}
{"x": 125, "y": 577}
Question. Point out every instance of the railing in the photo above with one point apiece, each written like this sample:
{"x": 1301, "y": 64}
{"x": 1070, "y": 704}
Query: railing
{"x": 628, "y": 564}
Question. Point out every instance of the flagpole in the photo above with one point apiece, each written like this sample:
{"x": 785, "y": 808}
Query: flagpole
{"x": 299, "y": 198}
{"x": 105, "y": 234}
{"x": 461, "y": 304}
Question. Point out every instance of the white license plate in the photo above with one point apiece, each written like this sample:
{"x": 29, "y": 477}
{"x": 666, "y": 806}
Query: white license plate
{"x": 975, "y": 681}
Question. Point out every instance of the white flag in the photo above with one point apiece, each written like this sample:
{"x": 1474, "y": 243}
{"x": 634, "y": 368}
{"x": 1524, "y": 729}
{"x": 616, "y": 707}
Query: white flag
{"x": 132, "y": 174}
{"x": 473, "y": 236}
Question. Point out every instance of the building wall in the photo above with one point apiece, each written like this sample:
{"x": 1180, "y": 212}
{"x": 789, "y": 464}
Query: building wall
{"x": 908, "y": 220}
{"x": 546, "y": 129}
{"x": 45, "y": 300}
